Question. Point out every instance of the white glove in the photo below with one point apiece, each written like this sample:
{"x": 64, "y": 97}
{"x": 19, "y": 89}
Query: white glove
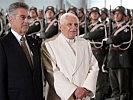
{"x": 103, "y": 70}
{"x": 38, "y": 34}
{"x": 105, "y": 39}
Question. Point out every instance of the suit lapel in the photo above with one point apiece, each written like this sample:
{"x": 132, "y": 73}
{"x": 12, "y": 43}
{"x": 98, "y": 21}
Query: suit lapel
{"x": 32, "y": 47}
{"x": 16, "y": 46}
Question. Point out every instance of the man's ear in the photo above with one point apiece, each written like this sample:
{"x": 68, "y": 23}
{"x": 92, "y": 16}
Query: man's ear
{"x": 59, "y": 26}
{"x": 9, "y": 18}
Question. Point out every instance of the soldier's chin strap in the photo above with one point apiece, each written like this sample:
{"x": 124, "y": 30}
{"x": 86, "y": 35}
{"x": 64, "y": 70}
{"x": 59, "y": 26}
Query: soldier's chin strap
{"x": 128, "y": 42}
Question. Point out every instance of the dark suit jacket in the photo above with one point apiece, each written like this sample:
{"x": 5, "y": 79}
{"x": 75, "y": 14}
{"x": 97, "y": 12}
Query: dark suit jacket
{"x": 17, "y": 80}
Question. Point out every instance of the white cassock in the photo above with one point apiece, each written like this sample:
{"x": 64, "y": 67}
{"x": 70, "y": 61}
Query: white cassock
{"x": 72, "y": 69}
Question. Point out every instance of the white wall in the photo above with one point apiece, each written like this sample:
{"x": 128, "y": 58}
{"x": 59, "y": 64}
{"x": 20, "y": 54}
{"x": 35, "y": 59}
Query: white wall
{"x": 78, "y": 3}
{"x": 5, "y": 3}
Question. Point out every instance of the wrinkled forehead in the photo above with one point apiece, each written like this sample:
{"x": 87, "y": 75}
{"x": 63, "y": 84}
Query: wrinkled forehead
{"x": 21, "y": 11}
{"x": 68, "y": 17}
{"x": 71, "y": 19}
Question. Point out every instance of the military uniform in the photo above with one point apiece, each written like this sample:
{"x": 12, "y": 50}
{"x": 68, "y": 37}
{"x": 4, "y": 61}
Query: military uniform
{"x": 104, "y": 11}
{"x": 128, "y": 16}
{"x": 60, "y": 13}
{"x": 73, "y": 10}
{"x": 34, "y": 27}
{"x": 1, "y": 25}
{"x": 131, "y": 57}
{"x": 96, "y": 33}
{"x": 82, "y": 28}
{"x": 50, "y": 29}
{"x": 119, "y": 62}
{"x": 82, "y": 23}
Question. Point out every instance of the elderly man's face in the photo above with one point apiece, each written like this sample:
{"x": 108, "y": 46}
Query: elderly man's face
{"x": 19, "y": 21}
{"x": 70, "y": 27}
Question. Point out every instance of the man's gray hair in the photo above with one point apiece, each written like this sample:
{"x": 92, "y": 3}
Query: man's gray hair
{"x": 14, "y": 6}
{"x": 64, "y": 16}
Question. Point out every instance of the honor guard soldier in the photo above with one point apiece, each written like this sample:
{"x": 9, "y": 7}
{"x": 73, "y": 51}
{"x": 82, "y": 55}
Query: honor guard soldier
{"x": 104, "y": 15}
{"x": 51, "y": 24}
{"x": 81, "y": 15}
{"x": 82, "y": 23}
{"x": 119, "y": 61}
{"x": 132, "y": 16}
{"x": 132, "y": 19}
{"x": 131, "y": 55}
{"x": 128, "y": 17}
{"x": 73, "y": 10}
{"x": 40, "y": 14}
{"x": 7, "y": 26}
{"x": 88, "y": 16}
{"x": 96, "y": 32}
{"x": 1, "y": 25}
{"x": 41, "y": 20}
{"x": 35, "y": 25}
{"x": 60, "y": 13}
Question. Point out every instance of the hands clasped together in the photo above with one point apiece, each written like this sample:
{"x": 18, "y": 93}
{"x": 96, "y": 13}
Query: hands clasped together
{"x": 81, "y": 93}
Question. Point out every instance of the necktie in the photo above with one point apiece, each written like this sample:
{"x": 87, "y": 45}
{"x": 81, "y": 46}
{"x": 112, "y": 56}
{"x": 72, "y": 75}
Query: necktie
{"x": 26, "y": 51}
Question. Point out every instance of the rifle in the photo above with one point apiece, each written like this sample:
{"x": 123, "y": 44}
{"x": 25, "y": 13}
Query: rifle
{"x": 110, "y": 23}
{"x": 85, "y": 8}
{"x": 107, "y": 48}
{"x": 43, "y": 23}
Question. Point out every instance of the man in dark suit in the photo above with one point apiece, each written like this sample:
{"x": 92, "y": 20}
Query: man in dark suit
{"x": 20, "y": 78}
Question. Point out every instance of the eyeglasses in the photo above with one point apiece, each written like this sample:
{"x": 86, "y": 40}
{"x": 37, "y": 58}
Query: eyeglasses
{"x": 23, "y": 17}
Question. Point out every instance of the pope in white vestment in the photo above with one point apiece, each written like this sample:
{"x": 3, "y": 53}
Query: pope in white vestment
{"x": 73, "y": 65}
